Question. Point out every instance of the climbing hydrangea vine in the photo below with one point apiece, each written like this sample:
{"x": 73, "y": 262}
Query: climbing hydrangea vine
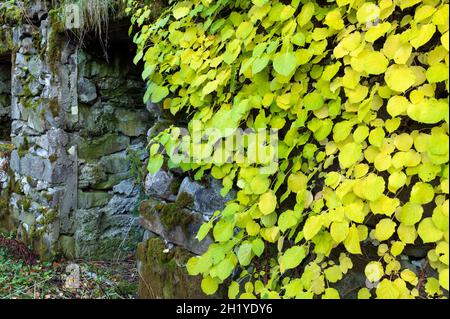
{"x": 358, "y": 91}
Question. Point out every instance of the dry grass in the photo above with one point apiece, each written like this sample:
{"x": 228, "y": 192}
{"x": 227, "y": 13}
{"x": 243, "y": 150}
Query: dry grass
{"x": 95, "y": 17}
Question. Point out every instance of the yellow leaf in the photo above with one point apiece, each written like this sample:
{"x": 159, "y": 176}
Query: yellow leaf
{"x": 351, "y": 243}
{"x": 384, "y": 229}
{"x": 368, "y": 12}
{"x": 267, "y": 203}
{"x": 428, "y": 231}
{"x": 312, "y": 226}
{"x": 399, "y": 77}
{"x": 339, "y": 231}
{"x": 374, "y": 271}
{"x": 387, "y": 290}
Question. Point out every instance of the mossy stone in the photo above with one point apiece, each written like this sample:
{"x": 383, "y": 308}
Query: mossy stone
{"x": 163, "y": 274}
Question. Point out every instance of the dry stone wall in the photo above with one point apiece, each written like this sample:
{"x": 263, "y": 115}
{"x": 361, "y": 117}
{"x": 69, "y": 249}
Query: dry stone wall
{"x": 78, "y": 127}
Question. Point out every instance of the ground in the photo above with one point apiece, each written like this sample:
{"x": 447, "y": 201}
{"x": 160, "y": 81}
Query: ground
{"x": 100, "y": 280}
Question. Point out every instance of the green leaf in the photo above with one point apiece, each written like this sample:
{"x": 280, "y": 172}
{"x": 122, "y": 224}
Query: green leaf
{"x": 331, "y": 293}
{"x": 209, "y": 285}
{"x": 421, "y": 193}
{"x": 312, "y": 226}
{"x": 233, "y": 290}
{"x": 159, "y": 93}
{"x": 410, "y": 214}
{"x": 155, "y": 163}
{"x": 399, "y": 77}
{"x": 385, "y": 229}
{"x": 428, "y": 111}
{"x": 258, "y": 246}
{"x": 374, "y": 271}
{"x": 210, "y": 87}
{"x": 386, "y": 289}
{"x": 306, "y": 14}
{"x": 260, "y": 184}
{"x": 437, "y": 73}
{"x": 182, "y": 9}
{"x": 284, "y": 63}
{"x": 245, "y": 253}
{"x": 223, "y": 230}
{"x": 368, "y": 12}
{"x": 313, "y": 101}
{"x": 292, "y": 258}
{"x": 267, "y": 203}
{"x": 339, "y": 231}
{"x": 287, "y": 220}
{"x": 203, "y": 231}
{"x": 225, "y": 269}
{"x": 333, "y": 274}
{"x": 259, "y": 64}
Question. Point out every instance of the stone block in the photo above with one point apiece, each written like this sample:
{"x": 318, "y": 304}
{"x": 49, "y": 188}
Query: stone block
{"x": 161, "y": 184}
{"x": 88, "y": 200}
{"x": 174, "y": 223}
{"x": 105, "y": 145}
{"x": 162, "y": 274}
{"x": 206, "y": 199}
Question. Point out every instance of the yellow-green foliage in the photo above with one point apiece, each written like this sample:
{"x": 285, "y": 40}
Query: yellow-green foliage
{"x": 359, "y": 92}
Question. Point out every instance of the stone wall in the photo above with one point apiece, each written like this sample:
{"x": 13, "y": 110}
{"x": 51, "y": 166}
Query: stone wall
{"x": 78, "y": 126}
{"x": 110, "y": 139}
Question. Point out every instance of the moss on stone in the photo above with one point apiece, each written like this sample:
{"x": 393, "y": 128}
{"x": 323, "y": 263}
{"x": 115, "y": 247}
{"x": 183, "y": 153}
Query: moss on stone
{"x": 6, "y": 149}
{"x": 26, "y": 204}
{"x": 53, "y": 50}
{"x": 53, "y": 105}
{"x": 24, "y": 148}
{"x": 163, "y": 273}
{"x": 184, "y": 200}
{"x": 53, "y": 158}
{"x": 170, "y": 214}
{"x": 173, "y": 215}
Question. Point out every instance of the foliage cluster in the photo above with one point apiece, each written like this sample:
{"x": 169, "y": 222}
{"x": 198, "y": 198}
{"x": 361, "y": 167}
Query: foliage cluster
{"x": 359, "y": 93}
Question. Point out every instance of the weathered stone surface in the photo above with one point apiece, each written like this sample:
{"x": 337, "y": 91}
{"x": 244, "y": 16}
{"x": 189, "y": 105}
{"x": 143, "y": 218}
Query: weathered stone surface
{"x": 66, "y": 245}
{"x": 96, "y": 120}
{"x": 105, "y": 145}
{"x": 126, "y": 188}
{"x": 35, "y": 66}
{"x": 88, "y": 200}
{"x": 132, "y": 122}
{"x": 102, "y": 237}
{"x": 174, "y": 223}
{"x": 125, "y": 199}
{"x": 115, "y": 163}
{"x": 162, "y": 274}
{"x": 87, "y": 92}
{"x": 34, "y": 166}
{"x": 160, "y": 184}
{"x": 206, "y": 199}
{"x": 91, "y": 174}
{"x": 111, "y": 181}
{"x": 73, "y": 120}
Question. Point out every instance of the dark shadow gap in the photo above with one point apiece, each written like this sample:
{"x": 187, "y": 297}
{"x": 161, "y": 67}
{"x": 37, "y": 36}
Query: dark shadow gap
{"x": 5, "y": 99}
